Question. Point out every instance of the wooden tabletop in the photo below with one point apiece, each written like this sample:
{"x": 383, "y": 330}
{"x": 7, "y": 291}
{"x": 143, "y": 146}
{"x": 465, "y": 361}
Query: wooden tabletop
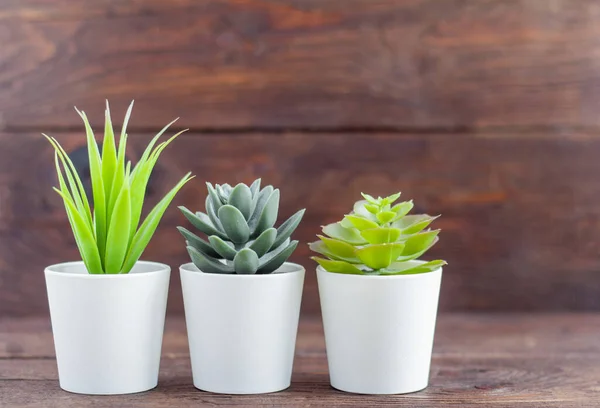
{"x": 484, "y": 360}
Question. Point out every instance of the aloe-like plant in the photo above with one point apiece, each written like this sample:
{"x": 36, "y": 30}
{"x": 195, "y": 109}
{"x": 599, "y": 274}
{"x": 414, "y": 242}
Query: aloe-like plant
{"x": 377, "y": 238}
{"x": 109, "y": 237}
{"x": 239, "y": 224}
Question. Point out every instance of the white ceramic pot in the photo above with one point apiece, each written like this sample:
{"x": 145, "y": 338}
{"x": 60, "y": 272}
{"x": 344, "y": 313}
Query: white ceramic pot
{"x": 107, "y": 329}
{"x": 242, "y": 328}
{"x": 379, "y": 330}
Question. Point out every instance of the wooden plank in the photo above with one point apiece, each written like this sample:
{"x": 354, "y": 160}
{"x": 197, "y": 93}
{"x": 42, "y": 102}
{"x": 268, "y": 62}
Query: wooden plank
{"x": 302, "y": 64}
{"x": 559, "y": 368}
{"x": 520, "y": 215}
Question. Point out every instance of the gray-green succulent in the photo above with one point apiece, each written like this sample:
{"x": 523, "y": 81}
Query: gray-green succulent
{"x": 239, "y": 222}
{"x": 377, "y": 238}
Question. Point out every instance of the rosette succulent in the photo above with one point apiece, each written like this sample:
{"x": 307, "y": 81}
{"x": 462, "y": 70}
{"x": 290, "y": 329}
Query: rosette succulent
{"x": 239, "y": 222}
{"x": 377, "y": 238}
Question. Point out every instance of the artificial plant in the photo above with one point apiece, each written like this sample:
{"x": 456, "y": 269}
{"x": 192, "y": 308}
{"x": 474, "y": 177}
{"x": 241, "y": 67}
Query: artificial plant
{"x": 377, "y": 238}
{"x": 239, "y": 224}
{"x": 108, "y": 233}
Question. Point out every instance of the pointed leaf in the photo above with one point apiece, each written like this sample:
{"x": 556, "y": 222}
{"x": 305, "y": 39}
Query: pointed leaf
{"x": 390, "y": 199}
{"x": 222, "y": 248}
{"x": 146, "y": 230}
{"x": 385, "y": 216}
{"x": 337, "y": 266}
{"x": 373, "y": 209}
{"x": 361, "y": 223}
{"x": 197, "y": 242}
{"x": 261, "y": 200}
{"x": 268, "y": 217}
{"x": 214, "y": 197}
{"x": 202, "y": 222}
{"x": 338, "y": 248}
{"x": 360, "y": 209}
{"x": 370, "y": 199}
{"x": 411, "y": 224}
{"x": 381, "y": 235}
{"x": 419, "y": 242}
{"x": 246, "y": 262}
{"x": 286, "y": 229}
{"x": 321, "y": 248}
{"x": 241, "y": 198}
{"x": 109, "y": 157}
{"x": 349, "y": 235}
{"x": 234, "y": 224}
{"x": 207, "y": 264}
{"x": 265, "y": 241}
{"x": 255, "y": 187}
{"x": 210, "y": 211}
{"x": 273, "y": 260}
{"x": 379, "y": 256}
{"x": 118, "y": 232}
{"x": 401, "y": 209}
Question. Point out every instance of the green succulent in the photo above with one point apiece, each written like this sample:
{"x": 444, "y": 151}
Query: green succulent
{"x": 239, "y": 224}
{"x": 377, "y": 238}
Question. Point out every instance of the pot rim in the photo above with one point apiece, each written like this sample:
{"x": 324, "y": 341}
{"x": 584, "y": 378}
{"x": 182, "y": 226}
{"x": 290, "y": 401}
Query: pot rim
{"x": 320, "y": 269}
{"x": 189, "y": 267}
{"x": 158, "y": 268}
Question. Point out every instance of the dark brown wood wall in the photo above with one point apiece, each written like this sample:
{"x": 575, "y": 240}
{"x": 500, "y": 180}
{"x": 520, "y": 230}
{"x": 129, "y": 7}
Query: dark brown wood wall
{"x": 486, "y": 111}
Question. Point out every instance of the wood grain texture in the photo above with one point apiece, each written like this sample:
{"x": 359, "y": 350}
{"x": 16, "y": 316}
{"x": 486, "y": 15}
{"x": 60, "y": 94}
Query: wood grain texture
{"x": 302, "y": 63}
{"x": 541, "y": 360}
{"x": 520, "y": 224}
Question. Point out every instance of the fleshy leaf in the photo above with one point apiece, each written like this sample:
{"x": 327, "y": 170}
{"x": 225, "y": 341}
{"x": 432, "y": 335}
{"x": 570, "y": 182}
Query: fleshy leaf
{"x": 381, "y": 235}
{"x": 222, "y": 248}
{"x": 273, "y": 260}
{"x": 210, "y": 211}
{"x": 268, "y": 217}
{"x": 385, "y": 216}
{"x": 197, "y": 242}
{"x": 349, "y": 235}
{"x": 419, "y": 242}
{"x": 337, "y": 266}
{"x": 261, "y": 200}
{"x": 370, "y": 199}
{"x": 338, "y": 248}
{"x": 373, "y": 209}
{"x": 241, "y": 198}
{"x": 407, "y": 268}
{"x": 202, "y": 222}
{"x": 246, "y": 262}
{"x": 234, "y": 224}
{"x": 390, "y": 199}
{"x": 361, "y": 223}
{"x": 401, "y": 209}
{"x": 207, "y": 264}
{"x": 361, "y": 210}
{"x": 286, "y": 229}
{"x": 214, "y": 196}
{"x": 411, "y": 224}
{"x": 264, "y": 242}
{"x": 379, "y": 256}
{"x": 321, "y": 248}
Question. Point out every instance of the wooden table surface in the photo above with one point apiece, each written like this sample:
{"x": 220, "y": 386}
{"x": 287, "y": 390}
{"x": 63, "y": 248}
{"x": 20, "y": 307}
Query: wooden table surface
{"x": 485, "y": 360}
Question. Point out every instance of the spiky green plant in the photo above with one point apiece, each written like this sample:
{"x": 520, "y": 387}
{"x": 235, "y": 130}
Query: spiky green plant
{"x": 239, "y": 224}
{"x": 108, "y": 236}
{"x": 377, "y": 238}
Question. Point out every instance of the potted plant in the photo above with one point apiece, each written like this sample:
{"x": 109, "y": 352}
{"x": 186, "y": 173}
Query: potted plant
{"x": 379, "y": 303}
{"x": 108, "y": 310}
{"x": 241, "y": 297}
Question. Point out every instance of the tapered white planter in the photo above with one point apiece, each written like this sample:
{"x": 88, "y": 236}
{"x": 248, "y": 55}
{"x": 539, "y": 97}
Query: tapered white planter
{"x": 107, "y": 329}
{"x": 379, "y": 330}
{"x": 242, "y": 328}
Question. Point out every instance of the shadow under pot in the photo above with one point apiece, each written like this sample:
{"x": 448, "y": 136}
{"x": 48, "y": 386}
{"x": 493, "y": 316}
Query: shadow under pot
{"x": 242, "y": 328}
{"x": 379, "y": 330}
{"x": 107, "y": 329}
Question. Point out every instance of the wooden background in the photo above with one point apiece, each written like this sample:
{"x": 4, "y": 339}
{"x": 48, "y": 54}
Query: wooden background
{"x": 486, "y": 111}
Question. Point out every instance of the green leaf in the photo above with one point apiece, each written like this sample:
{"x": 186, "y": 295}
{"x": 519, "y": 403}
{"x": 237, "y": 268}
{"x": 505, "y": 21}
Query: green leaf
{"x": 197, "y": 242}
{"x": 84, "y": 237}
{"x": 146, "y": 230}
{"x": 286, "y": 229}
{"x": 246, "y": 262}
{"x": 265, "y": 241}
{"x": 234, "y": 224}
{"x": 274, "y": 259}
{"x": 109, "y": 158}
{"x": 268, "y": 216}
{"x": 214, "y": 197}
{"x": 381, "y": 235}
{"x": 373, "y": 209}
{"x": 119, "y": 176}
{"x": 370, "y": 199}
{"x": 338, "y": 248}
{"x": 391, "y": 199}
{"x": 401, "y": 209}
{"x": 337, "y": 266}
{"x": 255, "y": 187}
{"x": 379, "y": 256}
{"x": 360, "y": 210}
{"x": 349, "y": 235}
{"x": 97, "y": 186}
{"x": 409, "y": 268}
{"x": 385, "y": 216}
{"x": 202, "y": 222}
{"x": 261, "y": 200}
{"x": 222, "y": 248}
{"x": 118, "y": 232}
{"x": 207, "y": 264}
{"x": 411, "y": 224}
{"x": 241, "y": 198}
{"x": 210, "y": 211}
{"x": 321, "y": 248}
{"x": 148, "y": 151}
{"x": 361, "y": 223}
{"x": 419, "y": 242}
